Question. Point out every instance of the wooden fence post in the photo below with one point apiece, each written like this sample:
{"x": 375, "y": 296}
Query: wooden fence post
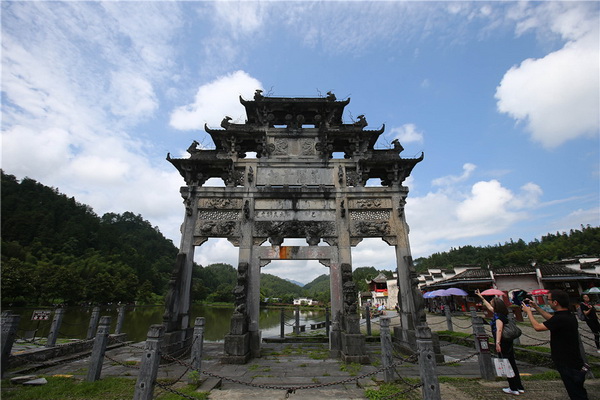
{"x": 387, "y": 358}
{"x": 427, "y": 365}
{"x": 448, "y": 316}
{"x": 10, "y": 323}
{"x": 55, "y": 327}
{"x": 144, "y": 387}
{"x": 98, "y": 350}
{"x": 483, "y": 347}
{"x": 93, "y": 323}
{"x": 120, "y": 320}
{"x": 368, "y": 312}
{"x": 198, "y": 343}
{"x": 327, "y": 321}
{"x": 297, "y": 325}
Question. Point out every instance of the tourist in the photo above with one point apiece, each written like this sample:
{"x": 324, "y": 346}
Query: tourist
{"x": 564, "y": 341}
{"x": 591, "y": 319}
{"x": 504, "y": 347}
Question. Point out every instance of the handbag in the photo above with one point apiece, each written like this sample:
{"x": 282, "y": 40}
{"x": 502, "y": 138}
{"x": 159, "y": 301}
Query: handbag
{"x": 511, "y": 331}
{"x": 503, "y": 368}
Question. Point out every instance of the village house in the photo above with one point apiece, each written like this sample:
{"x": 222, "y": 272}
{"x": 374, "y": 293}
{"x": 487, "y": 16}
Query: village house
{"x": 572, "y": 275}
{"x": 303, "y": 301}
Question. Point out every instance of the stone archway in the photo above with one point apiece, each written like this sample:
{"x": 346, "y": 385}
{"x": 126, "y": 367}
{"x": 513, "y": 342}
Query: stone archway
{"x": 294, "y": 189}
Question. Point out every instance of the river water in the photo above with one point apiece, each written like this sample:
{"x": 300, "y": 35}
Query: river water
{"x": 139, "y": 318}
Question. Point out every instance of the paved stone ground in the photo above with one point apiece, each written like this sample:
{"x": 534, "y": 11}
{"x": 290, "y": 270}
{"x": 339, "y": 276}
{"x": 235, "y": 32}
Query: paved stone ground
{"x": 300, "y": 365}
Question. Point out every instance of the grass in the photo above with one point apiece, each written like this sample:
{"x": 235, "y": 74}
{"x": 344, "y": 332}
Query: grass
{"x": 110, "y": 388}
{"x": 394, "y": 391}
{"x": 351, "y": 368}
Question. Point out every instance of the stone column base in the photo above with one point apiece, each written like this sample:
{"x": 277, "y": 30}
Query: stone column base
{"x": 177, "y": 343}
{"x": 354, "y": 349}
{"x": 335, "y": 341}
{"x": 237, "y": 349}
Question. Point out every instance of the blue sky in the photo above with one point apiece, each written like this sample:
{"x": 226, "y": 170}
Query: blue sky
{"x": 503, "y": 98}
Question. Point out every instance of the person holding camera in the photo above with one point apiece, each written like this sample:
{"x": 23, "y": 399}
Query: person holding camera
{"x": 504, "y": 347}
{"x": 564, "y": 341}
{"x": 591, "y": 319}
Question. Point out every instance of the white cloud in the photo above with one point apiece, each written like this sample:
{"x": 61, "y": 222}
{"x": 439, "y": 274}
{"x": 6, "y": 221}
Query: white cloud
{"x": 240, "y": 17}
{"x": 487, "y": 205}
{"x": 407, "y": 133}
{"x": 448, "y": 180}
{"x": 557, "y": 96}
{"x": 74, "y": 76}
{"x": 215, "y": 100}
{"x": 444, "y": 217}
{"x": 133, "y": 95}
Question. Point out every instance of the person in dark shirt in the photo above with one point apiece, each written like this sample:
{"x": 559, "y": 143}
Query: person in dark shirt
{"x": 564, "y": 341}
{"x": 591, "y": 319}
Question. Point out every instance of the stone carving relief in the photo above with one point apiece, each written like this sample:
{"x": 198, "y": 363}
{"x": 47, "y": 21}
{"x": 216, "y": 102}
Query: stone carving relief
{"x": 234, "y": 178}
{"x": 401, "y": 205}
{"x": 348, "y": 290}
{"x": 325, "y": 148}
{"x": 368, "y": 203}
{"x": 247, "y": 209}
{"x": 218, "y": 215}
{"x": 219, "y": 203}
{"x": 419, "y": 303}
{"x": 307, "y": 147}
{"x": 370, "y": 215}
{"x": 250, "y": 175}
{"x": 241, "y": 289}
{"x": 281, "y": 147}
{"x": 276, "y": 231}
{"x": 356, "y": 178}
{"x": 217, "y": 228}
{"x": 371, "y": 228}
{"x": 340, "y": 175}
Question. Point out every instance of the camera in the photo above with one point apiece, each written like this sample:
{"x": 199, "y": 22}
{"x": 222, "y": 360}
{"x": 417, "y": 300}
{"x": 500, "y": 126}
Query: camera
{"x": 526, "y": 301}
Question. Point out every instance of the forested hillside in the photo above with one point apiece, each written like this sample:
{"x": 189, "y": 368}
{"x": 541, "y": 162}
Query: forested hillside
{"x": 55, "y": 249}
{"x": 551, "y": 247}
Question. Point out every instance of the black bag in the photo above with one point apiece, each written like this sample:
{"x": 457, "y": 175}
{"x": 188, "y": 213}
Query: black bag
{"x": 511, "y": 331}
{"x": 580, "y": 313}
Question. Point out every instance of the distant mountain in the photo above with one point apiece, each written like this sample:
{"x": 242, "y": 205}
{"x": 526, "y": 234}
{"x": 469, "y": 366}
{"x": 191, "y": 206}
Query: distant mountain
{"x": 295, "y": 282}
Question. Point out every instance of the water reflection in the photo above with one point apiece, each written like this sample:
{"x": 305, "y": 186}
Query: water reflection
{"x": 138, "y": 319}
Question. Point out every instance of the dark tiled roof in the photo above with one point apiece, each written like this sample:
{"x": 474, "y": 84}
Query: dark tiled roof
{"x": 556, "y": 270}
{"x": 470, "y": 275}
{"x": 381, "y": 278}
{"x": 589, "y": 265}
{"x": 526, "y": 269}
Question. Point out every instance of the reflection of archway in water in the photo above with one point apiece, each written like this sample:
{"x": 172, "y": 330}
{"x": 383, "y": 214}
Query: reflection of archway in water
{"x": 304, "y": 271}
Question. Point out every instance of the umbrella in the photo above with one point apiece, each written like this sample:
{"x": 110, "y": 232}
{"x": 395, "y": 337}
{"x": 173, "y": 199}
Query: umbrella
{"x": 592, "y": 290}
{"x": 456, "y": 292}
{"x": 540, "y": 292}
{"x": 435, "y": 293}
{"x": 493, "y": 292}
